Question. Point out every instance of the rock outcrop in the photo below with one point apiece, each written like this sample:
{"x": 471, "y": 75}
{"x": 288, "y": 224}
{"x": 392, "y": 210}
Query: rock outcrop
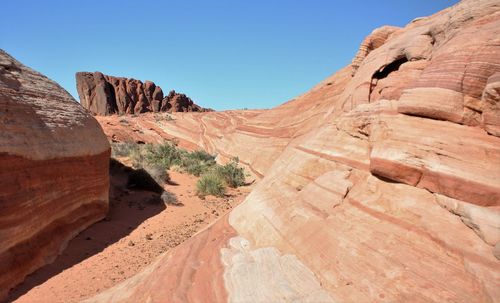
{"x": 106, "y": 95}
{"x": 53, "y": 170}
{"x": 381, "y": 184}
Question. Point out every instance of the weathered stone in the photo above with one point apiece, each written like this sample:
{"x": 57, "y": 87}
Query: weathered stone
{"x": 363, "y": 193}
{"x": 54, "y": 162}
{"x": 104, "y": 95}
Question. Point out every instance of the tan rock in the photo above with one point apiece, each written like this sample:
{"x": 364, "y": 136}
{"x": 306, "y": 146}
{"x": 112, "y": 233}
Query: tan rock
{"x": 485, "y": 221}
{"x": 490, "y": 102}
{"x": 442, "y": 157}
{"x": 362, "y": 191}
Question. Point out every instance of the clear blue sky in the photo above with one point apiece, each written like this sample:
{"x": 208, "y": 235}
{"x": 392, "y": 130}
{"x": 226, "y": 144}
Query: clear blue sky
{"x": 225, "y": 54}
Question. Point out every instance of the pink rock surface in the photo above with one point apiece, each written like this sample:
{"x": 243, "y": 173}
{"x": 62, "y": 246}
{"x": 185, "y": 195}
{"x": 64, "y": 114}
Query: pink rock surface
{"x": 363, "y": 195}
{"x": 54, "y": 162}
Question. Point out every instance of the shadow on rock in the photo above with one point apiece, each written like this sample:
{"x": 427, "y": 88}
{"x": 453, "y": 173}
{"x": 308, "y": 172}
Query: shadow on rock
{"x": 134, "y": 197}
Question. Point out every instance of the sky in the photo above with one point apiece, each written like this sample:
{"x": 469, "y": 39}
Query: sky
{"x": 224, "y": 54}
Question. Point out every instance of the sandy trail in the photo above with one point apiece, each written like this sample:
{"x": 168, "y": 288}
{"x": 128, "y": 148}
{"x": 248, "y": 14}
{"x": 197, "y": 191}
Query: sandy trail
{"x": 131, "y": 237}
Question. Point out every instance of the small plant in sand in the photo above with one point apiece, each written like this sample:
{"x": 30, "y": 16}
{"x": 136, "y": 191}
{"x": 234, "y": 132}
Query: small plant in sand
{"x": 166, "y": 154}
{"x": 211, "y": 183}
{"x": 170, "y": 198}
{"x": 197, "y": 162}
{"x": 232, "y": 174}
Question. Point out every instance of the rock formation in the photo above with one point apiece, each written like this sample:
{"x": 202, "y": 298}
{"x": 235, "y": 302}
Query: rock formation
{"x": 53, "y": 171}
{"x": 106, "y": 95}
{"x": 382, "y": 183}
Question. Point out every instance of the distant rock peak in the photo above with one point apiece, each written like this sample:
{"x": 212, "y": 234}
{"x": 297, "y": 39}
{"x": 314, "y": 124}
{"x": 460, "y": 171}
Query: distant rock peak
{"x": 104, "y": 95}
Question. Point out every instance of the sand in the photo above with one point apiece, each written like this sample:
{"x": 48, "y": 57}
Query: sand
{"x": 134, "y": 233}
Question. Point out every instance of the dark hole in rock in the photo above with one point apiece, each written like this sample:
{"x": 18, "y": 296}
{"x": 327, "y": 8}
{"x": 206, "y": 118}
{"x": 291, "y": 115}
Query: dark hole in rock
{"x": 392, "y": 67}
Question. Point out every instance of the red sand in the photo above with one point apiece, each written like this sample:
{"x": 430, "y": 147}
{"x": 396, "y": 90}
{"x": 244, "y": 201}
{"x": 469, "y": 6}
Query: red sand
{"x": 131, "y": 237}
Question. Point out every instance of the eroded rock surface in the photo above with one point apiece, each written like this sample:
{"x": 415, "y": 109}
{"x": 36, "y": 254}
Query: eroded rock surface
{"x": 106, "y": 95}
{"x": 53, "y": 170}
{"x": 381, "y": 184}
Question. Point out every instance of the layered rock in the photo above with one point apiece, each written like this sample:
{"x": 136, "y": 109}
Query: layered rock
{"x": 53, "y": 170}
{"x": 380, "y": 184}
{"x": 106, "y": 95}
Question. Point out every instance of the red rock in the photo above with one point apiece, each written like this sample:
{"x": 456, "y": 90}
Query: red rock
{"x": 53, "y": 169}
{"x": 376, "y": 39}
{"x": 363, "y": 194}
{"x": 106, "y": 95}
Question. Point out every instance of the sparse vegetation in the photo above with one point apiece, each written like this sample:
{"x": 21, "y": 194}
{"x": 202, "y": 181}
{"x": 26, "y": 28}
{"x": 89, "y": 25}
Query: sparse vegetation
{"x": 155, "y": 160}
{"x": 123, "y": 149}
{"x": 232, "y": 174}
{"x": 169, "y": 198}
{"x": 157, "y": 172}
{"x": 166, "y": 154}
{"x": 211, "y": 183}
{"x": 166, "y": 117}
{"x": 197, "y": 162}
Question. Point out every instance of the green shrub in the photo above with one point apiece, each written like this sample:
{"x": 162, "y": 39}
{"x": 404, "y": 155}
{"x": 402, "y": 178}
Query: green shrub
{"x": 197, "y": 162}
{"x": 155, "y": 160}
{"x": 231, "y": 173}
{"x": 202, "y": 156}
{"x": 166, "y": 154}
{"x": 211, "y": 183}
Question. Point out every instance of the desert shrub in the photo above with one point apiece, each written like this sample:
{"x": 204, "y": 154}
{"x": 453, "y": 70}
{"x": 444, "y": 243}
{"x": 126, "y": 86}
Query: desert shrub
{"x": 158, "y": 173}
{"x": 123, "y": 149}
{"x": 211, "y": 183}
{"x": 160, "y": 117}
{"x": 231, "y": 173}
{"x": 165, "y": 154}
{"x": 197, "y": 162}
{"x": 138, "y": 156}
{"x": 202, "y": 156}
{"x": 170, "y": 198}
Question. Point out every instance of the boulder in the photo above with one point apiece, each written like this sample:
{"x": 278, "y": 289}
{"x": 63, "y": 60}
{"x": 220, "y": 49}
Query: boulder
{"x": 54, "y": 162}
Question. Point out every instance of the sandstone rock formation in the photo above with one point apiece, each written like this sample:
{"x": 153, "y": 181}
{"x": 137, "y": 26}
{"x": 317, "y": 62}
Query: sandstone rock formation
{"x": 381, "y": 184}
{"x": 53, "y": 170}
{"x": 107, "y": 95}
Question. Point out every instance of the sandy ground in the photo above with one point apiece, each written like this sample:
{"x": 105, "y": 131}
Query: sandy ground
{"x": 131, "y": 237}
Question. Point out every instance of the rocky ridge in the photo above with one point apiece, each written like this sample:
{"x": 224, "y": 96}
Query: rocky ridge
{"x": 106, "y": 95}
